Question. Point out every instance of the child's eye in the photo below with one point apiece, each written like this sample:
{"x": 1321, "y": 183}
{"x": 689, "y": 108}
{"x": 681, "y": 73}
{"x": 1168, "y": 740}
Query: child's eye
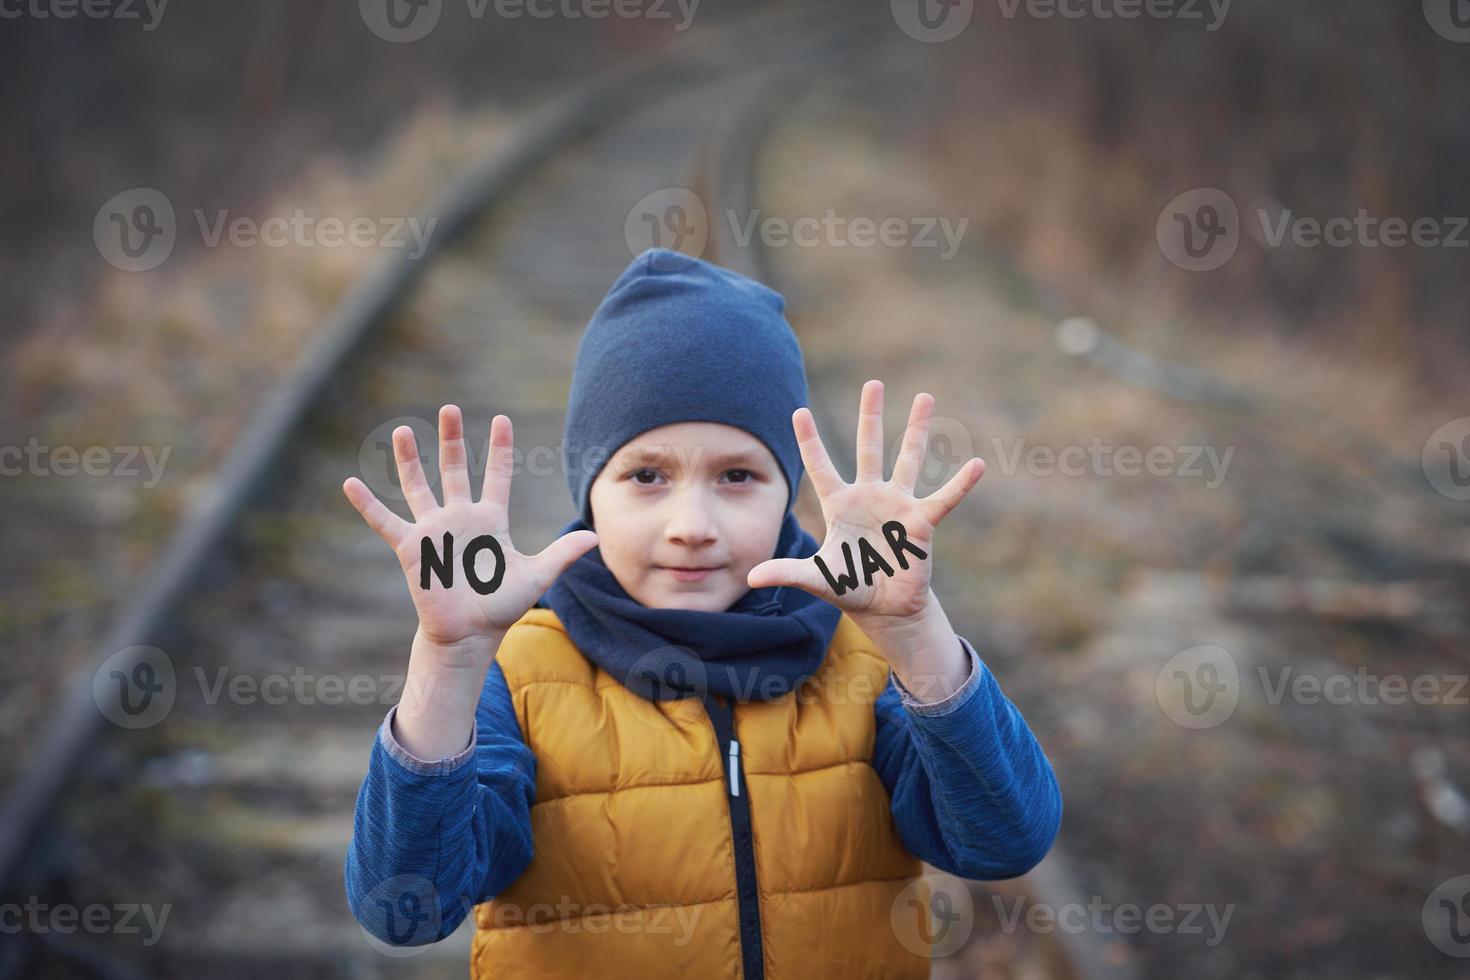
{"x": 637, "y": 473}
{"x": 746, "y": 473}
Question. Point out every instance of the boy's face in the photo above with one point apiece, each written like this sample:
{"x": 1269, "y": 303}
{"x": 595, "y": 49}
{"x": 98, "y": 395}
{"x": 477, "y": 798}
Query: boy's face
{"x": 689, "y": 495}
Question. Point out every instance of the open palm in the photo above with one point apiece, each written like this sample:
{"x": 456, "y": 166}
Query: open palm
{"x": 460, "y": 612}
{"x": 861, "y": 516}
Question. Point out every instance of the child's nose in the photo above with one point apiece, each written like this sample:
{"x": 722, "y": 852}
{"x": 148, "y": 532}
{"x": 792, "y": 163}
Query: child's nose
{"x": 692, "y": 521}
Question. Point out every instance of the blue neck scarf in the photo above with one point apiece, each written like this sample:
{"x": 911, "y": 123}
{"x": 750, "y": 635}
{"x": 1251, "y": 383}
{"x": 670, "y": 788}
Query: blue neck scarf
{"x": 760, "y": 648}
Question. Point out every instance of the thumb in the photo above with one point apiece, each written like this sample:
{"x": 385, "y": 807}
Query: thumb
{"x": 556, "y": 557}
{"x": 800, "y": 572}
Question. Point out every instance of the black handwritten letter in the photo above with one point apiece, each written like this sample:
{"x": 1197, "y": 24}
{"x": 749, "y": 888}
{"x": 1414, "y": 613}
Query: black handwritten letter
{"x": 475, "y": 547}
{"x": 898, "y": 540}
{"x": 872, "y": 561}
{"x": 845, "y": 582}
{"x": 429, "y": 561}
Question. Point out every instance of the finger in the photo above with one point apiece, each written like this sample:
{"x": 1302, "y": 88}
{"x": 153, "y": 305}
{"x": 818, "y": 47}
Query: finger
{"x": 558, "y": 556}
{"x": 939, "y": 503}
{"x": 798, "y": 572}
{"x": 910, "y": 460}
{"x": 870, "y": 434}
{"x": 825, "y": 478}
{"x": 411, "y": 474}
{"x": 454, "y": 474}
{"x": 389, "y": 526}
{"x": 498, "y": 466}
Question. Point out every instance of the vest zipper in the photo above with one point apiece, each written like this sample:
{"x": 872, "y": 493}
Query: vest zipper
{"x": 747, "y": 891}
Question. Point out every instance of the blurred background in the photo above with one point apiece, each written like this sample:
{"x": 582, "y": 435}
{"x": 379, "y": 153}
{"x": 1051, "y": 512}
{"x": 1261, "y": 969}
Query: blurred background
{"x": 1190, "y": 276}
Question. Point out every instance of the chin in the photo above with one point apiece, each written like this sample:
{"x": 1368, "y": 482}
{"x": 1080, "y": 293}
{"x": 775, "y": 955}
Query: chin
{"x": 700, "y": 602}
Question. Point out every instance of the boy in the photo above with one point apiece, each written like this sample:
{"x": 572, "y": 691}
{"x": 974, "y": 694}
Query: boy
{"x": 686, "y": 737}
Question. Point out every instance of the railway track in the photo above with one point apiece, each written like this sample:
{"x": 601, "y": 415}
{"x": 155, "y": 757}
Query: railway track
{"x": 279, "y": 626}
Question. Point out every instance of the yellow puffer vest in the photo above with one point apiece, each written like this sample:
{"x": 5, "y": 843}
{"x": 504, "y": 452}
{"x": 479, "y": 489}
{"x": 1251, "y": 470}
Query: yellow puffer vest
{"x": 634, "y": 873}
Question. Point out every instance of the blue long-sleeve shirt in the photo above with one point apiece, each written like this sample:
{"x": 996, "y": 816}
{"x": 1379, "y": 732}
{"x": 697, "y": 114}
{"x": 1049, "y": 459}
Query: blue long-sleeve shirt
{"x": 971, "y": 791}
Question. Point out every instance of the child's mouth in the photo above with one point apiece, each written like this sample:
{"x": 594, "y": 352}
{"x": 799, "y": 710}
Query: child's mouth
{"x": 687, "y": 574}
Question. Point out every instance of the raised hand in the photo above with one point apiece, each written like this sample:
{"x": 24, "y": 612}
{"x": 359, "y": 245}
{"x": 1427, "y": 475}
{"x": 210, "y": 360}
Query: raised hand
{"x": 463, "y": 611}
{"x": 876, "y": 558}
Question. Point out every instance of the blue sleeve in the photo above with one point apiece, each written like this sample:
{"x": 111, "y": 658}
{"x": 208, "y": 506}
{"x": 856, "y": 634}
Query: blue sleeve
{"x": 432, "y": 839}
{"x": 970, "y": 789}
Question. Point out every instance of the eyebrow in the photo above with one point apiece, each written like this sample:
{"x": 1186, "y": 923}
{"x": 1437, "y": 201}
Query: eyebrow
{"x": 744, "y": 456}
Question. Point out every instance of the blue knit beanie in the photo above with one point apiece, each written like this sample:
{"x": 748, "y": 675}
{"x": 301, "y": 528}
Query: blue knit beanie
{"x": 678, "y": 339}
